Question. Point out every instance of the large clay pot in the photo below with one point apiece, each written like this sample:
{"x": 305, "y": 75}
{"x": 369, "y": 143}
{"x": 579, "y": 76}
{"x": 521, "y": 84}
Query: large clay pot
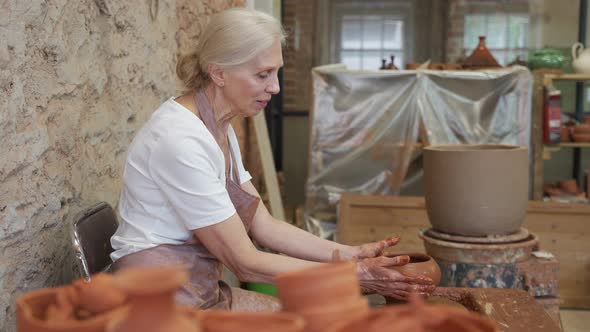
{"x": 318, "y": 286}
{"x": 419, "y": 265}
{"x": 224, "y": 321}
{"x": 32, "y": 310}
{"x": 150, "y": 292}
{"x": 476, "y": 190}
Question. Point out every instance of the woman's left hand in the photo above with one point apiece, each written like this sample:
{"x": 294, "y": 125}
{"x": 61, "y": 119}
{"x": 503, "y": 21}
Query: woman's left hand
{"x": 375, "y": 249}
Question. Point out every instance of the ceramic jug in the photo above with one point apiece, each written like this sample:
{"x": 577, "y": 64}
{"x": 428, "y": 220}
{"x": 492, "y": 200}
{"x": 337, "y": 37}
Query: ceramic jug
{"x": 581, "y": 59}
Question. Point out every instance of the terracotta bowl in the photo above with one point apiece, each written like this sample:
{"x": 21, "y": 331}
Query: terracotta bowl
{"x": 31, "y": 309}
{"x": 581, "y": 137}
{"x": 318, "y": 286}
{"x": 581, "y": 129}
{"x": 420, "y": 264}
{"x": 224, "y": 321}
{"x": 476, "y": 190}
{"x": 320, "y": 319}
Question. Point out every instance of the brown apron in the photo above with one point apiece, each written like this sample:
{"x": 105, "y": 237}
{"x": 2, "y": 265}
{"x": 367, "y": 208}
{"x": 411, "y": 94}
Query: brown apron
{"x": 205, "y": 288}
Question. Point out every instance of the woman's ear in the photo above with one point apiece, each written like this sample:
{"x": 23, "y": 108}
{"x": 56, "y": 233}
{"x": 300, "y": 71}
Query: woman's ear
{"x": 217, "y": 74}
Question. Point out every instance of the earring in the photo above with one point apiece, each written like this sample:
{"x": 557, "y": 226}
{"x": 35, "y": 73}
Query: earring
{"x": 221, "y": 84}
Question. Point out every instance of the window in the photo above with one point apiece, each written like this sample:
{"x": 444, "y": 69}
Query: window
{"x": 363, "y": 33}
{"x": 507, "y": 35}
{"x": 367, "y": 39}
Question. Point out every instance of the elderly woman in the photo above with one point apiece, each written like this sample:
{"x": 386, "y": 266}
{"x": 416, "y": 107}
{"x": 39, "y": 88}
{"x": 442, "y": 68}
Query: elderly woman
{"x": 187, "y": 198}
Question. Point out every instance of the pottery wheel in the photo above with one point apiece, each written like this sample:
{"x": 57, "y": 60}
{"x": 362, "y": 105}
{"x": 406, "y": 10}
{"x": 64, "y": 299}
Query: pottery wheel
{"x": 520, "y": 235}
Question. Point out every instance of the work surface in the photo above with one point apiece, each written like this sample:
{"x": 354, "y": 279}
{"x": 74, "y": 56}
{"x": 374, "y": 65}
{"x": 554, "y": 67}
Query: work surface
{"x": 513, "y": 310}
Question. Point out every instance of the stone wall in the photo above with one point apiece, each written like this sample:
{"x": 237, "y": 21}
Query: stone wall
{"x": 78, "y": 78}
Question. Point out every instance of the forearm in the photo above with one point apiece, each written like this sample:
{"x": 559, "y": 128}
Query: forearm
{"x": 264, "y": 267}
{"x": 292, "y": 241}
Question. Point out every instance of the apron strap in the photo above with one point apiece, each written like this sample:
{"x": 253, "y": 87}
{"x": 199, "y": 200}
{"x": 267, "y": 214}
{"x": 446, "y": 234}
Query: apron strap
{"x": 207, "y": 115}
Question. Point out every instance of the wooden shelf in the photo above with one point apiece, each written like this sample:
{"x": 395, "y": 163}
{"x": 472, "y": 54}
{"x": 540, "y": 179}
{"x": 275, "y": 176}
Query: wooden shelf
{"x": 567, "y": 77}
{"x": 570, "y": 145}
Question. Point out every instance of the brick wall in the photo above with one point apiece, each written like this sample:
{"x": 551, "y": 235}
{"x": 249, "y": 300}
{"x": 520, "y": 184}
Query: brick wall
{"x": 299, "y": 23}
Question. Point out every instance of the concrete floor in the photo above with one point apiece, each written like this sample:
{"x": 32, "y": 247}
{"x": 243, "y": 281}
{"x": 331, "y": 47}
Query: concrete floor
{"x": 575, "y": 320}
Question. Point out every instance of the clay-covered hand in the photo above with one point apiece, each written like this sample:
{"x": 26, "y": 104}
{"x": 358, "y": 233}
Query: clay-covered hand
{"x": 376, "y": 275}
{"x": 368, "y": 250}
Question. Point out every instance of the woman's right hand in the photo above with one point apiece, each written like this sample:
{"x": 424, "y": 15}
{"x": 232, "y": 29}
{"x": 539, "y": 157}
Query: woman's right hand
{"x": 377, "y": 276}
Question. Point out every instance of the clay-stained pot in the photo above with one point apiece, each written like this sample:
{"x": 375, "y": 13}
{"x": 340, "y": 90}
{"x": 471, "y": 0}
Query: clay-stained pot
{"x": 32, "y": 309}
{"x": 417, "y": 316}
{"x": 224, "y": 321}
{"x": 318, "y": 286}
{"x": 419, "y": 265}
{"x": 476, "y": 190}
{"x": 321, "y": 318}
{"x": 150, "y": 292}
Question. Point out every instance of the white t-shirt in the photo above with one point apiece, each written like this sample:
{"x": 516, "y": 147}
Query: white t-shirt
{"x": 173, "y": 181}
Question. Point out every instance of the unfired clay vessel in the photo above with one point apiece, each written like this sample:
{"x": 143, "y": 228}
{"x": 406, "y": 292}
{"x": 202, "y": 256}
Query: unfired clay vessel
{"x": 420, "y": 264}
{"x": 41, "y": 311}
{"x": 81, "y": 306}
{"x": 476, "y": 190}
{"x": 318, "y": 286}
{"x": 150, "y": 291}
{"x": 321, "y": 318}
{"x": 418, "y": 316}
{"x": 224, "y": 321}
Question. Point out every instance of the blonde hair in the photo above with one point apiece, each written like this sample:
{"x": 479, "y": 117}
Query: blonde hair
{"x": 232, "y": 37}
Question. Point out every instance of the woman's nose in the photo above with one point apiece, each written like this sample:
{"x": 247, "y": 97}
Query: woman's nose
{"x": 274, "y": 87}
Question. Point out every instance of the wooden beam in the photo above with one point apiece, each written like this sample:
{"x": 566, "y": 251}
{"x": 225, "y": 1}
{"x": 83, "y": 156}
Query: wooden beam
{"x": 269, "y": 171}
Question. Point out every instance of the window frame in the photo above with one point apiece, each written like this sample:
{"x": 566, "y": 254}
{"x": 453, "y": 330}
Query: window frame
{"x": 402, "y": 10}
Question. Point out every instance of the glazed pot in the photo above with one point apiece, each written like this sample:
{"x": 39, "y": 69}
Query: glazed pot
{"x": 481, "y": 57}
{"x": 318, "y": 286}
{"x": 581, "y": 59}
{"x": 150, "y": 292}
{"x": 420, "y": 265}
{"x": 32, "y": 309}
{"x": 547, "y": 58}
{"x": 476, "y": 190}
{"x": 319, "y": 319}
{"x": 224, "y": 321}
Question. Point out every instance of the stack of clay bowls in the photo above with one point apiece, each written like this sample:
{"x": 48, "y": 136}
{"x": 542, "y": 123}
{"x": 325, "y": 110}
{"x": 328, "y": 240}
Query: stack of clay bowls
{"x": 581, "y": 132}
{"x": 476, "y": 190}
{"x": 323, "y": 295}
{"x": 418, "y": 316}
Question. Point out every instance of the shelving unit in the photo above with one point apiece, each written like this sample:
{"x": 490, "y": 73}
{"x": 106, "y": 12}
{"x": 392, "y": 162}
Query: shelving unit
{"x": 542, "y": 152}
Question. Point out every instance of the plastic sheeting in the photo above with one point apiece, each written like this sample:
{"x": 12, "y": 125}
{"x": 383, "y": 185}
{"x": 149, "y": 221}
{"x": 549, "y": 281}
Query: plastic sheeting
{"x": 365, "y": 126}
